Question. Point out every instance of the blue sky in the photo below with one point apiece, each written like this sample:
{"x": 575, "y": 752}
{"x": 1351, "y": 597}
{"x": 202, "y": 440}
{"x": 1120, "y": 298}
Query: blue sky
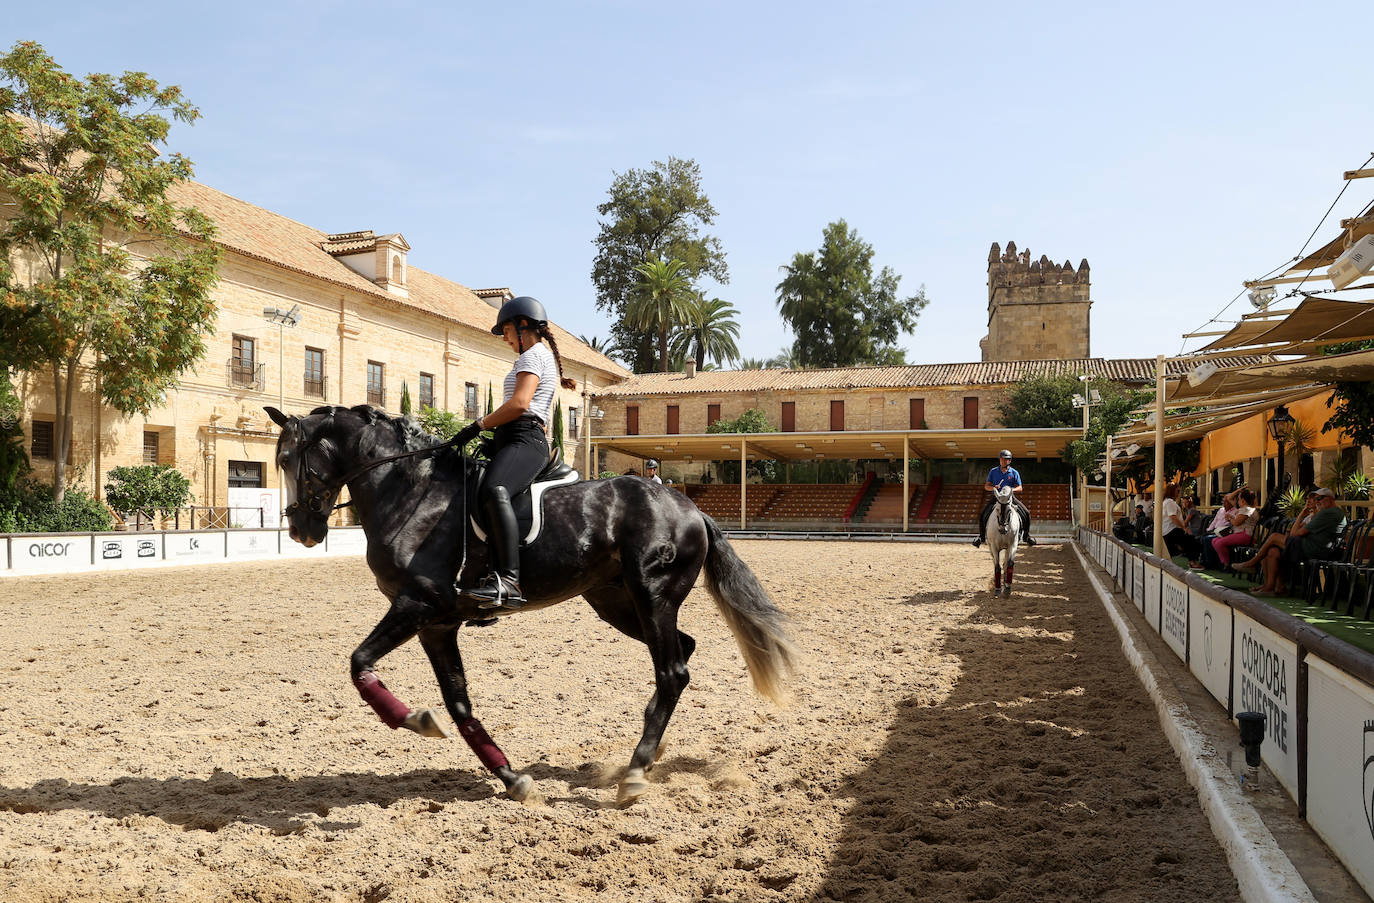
{"x": 1180, "y": 148}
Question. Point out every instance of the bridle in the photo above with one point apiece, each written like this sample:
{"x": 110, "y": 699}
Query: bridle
{"x": 1003, "y": 517}
{"x": 307, "y": 476}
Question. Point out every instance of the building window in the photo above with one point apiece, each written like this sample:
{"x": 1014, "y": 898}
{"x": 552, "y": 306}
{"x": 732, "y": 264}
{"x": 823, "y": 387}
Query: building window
{"x": 918, "y": 414}
{"x": 245, "y": 475}
{"x": 712, "y": 414}
{"x": 314, "y": 372}
{"x": 837, "y": 415}
{"x": 789, "y": 416}
{"x": 572, "y": 422}
{"x": 672, "y": 420}
{"x": 971, "y": 413}
{"x": 150, "y": 446}
{"x": 426, "y": 390}
{"x": 243, "y": 364}
{"x": 376, "y": 384}
{"x": 41, "y": 446}
{"x": 470, "y": 401}
{"x": 632, "y": 420}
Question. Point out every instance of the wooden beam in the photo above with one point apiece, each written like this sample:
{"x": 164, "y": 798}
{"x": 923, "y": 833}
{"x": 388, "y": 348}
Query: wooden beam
{"x": 1358, "y": 174}
{"x": 1283, "y": 280}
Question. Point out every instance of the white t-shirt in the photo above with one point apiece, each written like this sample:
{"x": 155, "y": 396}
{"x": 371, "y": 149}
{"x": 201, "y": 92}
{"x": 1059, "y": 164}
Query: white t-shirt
{"x": 1171, "y": 511}
{"x": 539, "y": 361}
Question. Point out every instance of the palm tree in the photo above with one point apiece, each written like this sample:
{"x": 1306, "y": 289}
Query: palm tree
{"x": 661, "y": 302}
{"x": 786, "y": 360}
{"x": 710, "y": 332}
{"x": 606, "y": 347}
{"x": 752, "y": 363}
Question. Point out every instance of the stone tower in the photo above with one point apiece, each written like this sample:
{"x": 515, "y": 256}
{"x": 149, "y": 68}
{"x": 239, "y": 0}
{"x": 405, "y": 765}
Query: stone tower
{"x": 1036, "y": 309}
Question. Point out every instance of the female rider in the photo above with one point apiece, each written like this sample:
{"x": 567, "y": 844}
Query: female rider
{"x": 521, "y": 447}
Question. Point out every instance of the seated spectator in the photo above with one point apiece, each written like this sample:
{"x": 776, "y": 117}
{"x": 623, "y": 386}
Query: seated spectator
{"x": 1176, "y": 536}
{"x": 1276, "y": 541}
{"x": 1143, "y": 526}
{"x": 1242, "y": 521}
{"x": 1193, "y": 519}
{"x": 1305, "y": 543}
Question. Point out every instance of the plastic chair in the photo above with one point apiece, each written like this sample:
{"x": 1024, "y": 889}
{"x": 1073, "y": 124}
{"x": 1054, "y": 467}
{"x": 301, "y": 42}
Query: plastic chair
{"x": 1337, "y": 555}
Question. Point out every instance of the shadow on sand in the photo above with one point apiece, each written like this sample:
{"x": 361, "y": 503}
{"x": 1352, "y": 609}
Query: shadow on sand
{"x": 1043, "y": 776}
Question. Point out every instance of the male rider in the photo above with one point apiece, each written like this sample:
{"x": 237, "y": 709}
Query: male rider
{"x": 1003, "y": 475}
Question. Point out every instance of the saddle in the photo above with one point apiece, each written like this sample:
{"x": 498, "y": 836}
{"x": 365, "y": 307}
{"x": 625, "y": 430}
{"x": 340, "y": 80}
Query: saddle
{"x": 528, "y": 504}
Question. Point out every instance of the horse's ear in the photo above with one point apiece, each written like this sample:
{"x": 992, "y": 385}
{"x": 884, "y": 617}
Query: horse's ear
{"x": 278, "y": 417}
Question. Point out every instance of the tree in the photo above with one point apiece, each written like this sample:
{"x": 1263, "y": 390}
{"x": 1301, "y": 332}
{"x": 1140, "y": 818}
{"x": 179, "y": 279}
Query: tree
{"x": 99, "y": 265}
{"x": 147, "y": 489}
{"x": 753, "y": 363}
{"x": 842, "y": 315}
{"x": 654, "y": 213}
{"x": 491, "y": 399}
{"x": 710, "y": 331}
{"x": 1106, "y": 420}
{"x": 1353, "y": 402}
{"x": 406, "y": 407}
{"x": 660, "y": 302}
{"x": 1043, "y": 401}
{"x": 786, "y": 359}
{"x": 751, "y": 421}
{"x": 602, "y": 346}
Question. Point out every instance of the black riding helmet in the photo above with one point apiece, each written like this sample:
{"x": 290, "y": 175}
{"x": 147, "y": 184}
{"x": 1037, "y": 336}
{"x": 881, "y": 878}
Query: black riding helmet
{"x": 523, "y": 306}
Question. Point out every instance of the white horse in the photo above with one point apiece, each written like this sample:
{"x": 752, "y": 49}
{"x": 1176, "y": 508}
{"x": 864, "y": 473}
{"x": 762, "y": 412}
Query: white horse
{"x": 1003, "y": 530}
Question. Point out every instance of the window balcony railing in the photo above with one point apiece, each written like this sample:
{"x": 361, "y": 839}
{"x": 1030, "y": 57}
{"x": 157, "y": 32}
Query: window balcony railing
{"x": 315, "y": 386}
{"x": 245, "y": 375}
{"x": 377, "y": 397}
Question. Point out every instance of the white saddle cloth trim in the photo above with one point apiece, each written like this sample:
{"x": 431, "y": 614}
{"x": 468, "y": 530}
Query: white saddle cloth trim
{"x": 536, "y": 506}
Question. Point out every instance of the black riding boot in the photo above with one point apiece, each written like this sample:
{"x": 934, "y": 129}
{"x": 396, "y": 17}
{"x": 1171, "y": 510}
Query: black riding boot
{"x": 1025, "y": 526}
{"x": 983, "y": 525}
{"x": 500, "y": 588}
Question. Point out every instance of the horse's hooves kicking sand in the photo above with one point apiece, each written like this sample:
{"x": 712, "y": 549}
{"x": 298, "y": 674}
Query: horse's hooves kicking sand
{"x": 521, "y": 788}
{"x": 425, "y": 723}
{"x": 632, "y": 787}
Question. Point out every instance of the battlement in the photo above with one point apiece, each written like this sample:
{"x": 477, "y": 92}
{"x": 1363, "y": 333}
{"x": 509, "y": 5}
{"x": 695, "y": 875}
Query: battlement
{"x": 1036, "y": 308}
{"x": 1010, "y": 268}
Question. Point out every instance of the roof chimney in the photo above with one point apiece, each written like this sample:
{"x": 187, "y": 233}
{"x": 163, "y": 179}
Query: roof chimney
{"x": 691, "y": 367}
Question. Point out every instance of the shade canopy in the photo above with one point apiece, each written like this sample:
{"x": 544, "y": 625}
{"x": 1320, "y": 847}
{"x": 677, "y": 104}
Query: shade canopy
{"x": 1315, "y": 321}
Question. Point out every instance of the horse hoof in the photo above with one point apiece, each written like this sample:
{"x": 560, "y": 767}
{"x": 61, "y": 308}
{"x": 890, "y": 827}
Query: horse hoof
{"x": 631, "y": 788}
{"x": 424, "y": 723}
{"x": 521, "y": 788}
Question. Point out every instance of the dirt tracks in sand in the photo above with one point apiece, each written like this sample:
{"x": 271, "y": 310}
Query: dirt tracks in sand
{"x": 191, "y": 735}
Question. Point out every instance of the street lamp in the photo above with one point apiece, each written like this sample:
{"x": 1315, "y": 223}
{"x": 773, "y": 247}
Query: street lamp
{"x": 1279, "y": 426}
{"x": 282, "y": 319}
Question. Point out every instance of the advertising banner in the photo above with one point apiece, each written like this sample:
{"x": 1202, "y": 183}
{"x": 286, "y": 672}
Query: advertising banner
{"x": 50, "y": 553}
{"x": 1340, "y": 766}
{"x": 1173, "y": 614}
{"x": 113, "y": 551}
{"x": 255, "y": 508}
{"x": 1138, "y": 595}
{"x": 1266, "y": 681}
{"x": 241, "y": 544}
{"x": 1151, "y": 606}
{"x": 346, "y": 541}
{"x": 203, "y": 545}
{"x": 1209, "y": 644}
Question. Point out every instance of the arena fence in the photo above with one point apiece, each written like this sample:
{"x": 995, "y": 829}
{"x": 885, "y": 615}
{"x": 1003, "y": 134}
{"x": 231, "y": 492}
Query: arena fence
{"x": 1316, "y": 691}
{"x": 61, "y": 553}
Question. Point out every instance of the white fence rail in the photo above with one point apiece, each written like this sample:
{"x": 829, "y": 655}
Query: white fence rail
{"x": 24, "y": 554}
{"x": 1316, "y": 691}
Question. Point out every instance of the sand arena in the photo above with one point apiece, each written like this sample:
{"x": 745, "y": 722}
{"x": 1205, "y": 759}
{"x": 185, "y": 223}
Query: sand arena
{"x": 191, "y": 735}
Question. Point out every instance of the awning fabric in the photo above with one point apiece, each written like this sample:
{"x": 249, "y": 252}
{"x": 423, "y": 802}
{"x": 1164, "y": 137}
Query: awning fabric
{"x": 1327, "y": 253}
{"x": 1242, "y": 334}
{"x": 1315, "y": 320}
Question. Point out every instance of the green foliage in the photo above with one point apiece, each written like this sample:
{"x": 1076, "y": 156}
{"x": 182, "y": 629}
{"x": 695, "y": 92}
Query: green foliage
{"x": 751, "y": 421}
{"x": 29, "y": 507}
{"x": 607, "y": 475}
{"x": 88, "y": 187}
{"x": 558, "y": 426}
{"x": 14, "y": 462}
{"x": 491, "y": 400}
{"x": 1043, "y": 401}
{"x": 407, "y": 408}
{"x": 1291, "y": 501}
{"x": 709, "y": 331}
{"x": 1357, "y": 487}
{"x": 1344, "y": 464}
{"x": 446, "y": 425}
{"x": 147, "y": 489}
{"x": 1297, "y": 439}
{"x": 842, "y": 315}
{"x": 1106, "y": 420}
{"x": 651, "y": 214}
{"x": 659, "y": 303}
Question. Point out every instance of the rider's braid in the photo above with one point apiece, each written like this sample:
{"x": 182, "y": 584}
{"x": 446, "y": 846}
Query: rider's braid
{"x": 547, "y": 336}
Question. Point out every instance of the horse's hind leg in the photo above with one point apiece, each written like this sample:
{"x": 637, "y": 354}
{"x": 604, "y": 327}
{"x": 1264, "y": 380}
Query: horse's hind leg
{"x": 441, "y": 645}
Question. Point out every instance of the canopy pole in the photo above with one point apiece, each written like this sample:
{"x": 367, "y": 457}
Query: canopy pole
{"x": 1107, "y": 510}
{"x": 1083, "y": 495}
{"x": 906, "y": 486}
{"x": 743, "y": 466}
{"x": 1159, "y": 457}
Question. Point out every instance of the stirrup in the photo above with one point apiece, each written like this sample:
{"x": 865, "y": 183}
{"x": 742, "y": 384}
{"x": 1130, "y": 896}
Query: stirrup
{"x": 496, "y": 591}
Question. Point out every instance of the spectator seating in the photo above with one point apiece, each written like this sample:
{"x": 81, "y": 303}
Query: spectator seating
{"x": 809, "y": 502}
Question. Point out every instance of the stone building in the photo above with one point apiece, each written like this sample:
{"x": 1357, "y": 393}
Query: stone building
{"x": 1036, "y": 309}
{"x": 368, "y": 322}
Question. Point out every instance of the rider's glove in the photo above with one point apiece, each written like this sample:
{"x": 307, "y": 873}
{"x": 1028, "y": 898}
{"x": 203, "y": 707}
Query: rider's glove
{"x": 467, "y": 434}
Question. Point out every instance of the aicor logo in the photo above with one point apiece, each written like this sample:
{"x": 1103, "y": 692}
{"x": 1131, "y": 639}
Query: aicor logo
{"x": 1369, "y": 776}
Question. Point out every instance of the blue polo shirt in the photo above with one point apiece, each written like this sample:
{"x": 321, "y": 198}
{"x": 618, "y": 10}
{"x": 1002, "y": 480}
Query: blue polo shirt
{"x": 998, "y": 478}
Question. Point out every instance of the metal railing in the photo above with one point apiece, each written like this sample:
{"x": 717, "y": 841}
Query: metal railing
{"x": 199, "y": 517}
{"x": 315, "y": 388}
{"x": 245, "y": 375}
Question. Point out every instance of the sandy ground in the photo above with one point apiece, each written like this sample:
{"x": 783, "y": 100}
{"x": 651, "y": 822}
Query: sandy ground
{"x": 191, "y": 735}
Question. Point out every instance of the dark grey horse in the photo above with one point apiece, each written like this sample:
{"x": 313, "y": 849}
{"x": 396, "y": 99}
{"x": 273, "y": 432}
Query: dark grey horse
{"x": 630, "y": 547}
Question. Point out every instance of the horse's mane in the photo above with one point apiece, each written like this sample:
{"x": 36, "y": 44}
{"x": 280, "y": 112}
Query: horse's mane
{"x": 406, "y": 427}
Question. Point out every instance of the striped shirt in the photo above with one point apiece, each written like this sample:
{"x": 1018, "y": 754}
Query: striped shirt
{"x": 539, "y": 361}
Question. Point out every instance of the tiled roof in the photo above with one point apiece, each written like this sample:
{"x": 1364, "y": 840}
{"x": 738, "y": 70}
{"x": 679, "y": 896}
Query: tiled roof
{"x": 980, "y": 373}
{"x": 270, "y": 237}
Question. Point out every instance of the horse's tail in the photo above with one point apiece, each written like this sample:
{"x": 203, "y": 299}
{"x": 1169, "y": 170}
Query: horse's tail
{"x": 758, "y": 624}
